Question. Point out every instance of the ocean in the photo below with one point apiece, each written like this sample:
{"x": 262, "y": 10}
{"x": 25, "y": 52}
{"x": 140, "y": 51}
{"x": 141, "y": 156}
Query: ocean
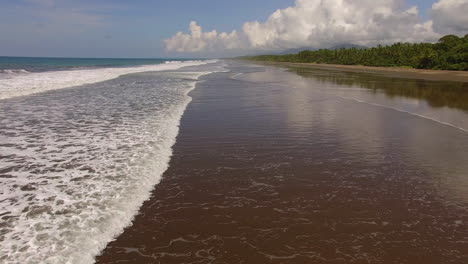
{"x": 265, "y": 165}
{"x": 39, "y": 64}
{"x": 23, "y": 76}
{"x": 82, "y": 144}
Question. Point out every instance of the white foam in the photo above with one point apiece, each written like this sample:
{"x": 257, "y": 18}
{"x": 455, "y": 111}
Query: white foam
{"x": 86, "y": 176}
{"x": 236, "y": 75}
{"x": 25, "y": 84}
{"x": 13, "y": 71}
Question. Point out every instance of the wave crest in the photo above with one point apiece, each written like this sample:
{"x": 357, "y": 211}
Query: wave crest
{"x": 26, "y": 84}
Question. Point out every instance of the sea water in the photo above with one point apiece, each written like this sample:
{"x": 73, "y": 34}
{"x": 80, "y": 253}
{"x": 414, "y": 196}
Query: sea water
{"x": 80, "y": 150}
{"x": 23, "y": 76}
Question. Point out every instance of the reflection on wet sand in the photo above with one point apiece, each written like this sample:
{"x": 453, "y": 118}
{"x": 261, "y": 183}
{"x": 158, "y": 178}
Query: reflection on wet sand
{"x": 268, "y": 168}
{"x": 436, "y": 93}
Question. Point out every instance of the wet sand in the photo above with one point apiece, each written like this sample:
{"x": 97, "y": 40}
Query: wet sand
{"x": 398, "y": 72}
{"x": 268, "y": 171}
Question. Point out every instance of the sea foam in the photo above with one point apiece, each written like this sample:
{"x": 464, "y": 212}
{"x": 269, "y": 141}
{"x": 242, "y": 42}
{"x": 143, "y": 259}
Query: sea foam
{"x": 14, "y": 85}
{"x": 76, "y": 165}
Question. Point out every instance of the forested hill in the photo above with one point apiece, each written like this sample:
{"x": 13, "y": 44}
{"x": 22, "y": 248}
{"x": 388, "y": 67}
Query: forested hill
{"x": 450, "y": 53}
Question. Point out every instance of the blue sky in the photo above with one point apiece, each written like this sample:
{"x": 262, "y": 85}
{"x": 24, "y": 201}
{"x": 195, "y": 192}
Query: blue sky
{"x": 423, "y": 5}
{"x": 105, "y": 28}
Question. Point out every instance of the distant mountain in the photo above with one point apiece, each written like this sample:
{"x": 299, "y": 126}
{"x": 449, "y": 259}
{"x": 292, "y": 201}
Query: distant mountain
{"x": 297, "y": 50}
{"x": 293, "y": 51}
{"x": 348, "y": 46}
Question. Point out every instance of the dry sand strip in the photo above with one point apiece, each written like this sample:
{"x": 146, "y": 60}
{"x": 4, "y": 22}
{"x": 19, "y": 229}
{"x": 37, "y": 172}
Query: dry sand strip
{"x": 398, "y": 72}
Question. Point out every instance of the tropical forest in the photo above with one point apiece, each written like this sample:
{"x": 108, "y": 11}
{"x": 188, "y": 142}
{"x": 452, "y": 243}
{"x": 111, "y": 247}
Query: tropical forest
{"x": 449, "y": 53}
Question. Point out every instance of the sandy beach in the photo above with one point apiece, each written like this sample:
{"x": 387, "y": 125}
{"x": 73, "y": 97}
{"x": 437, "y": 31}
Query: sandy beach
{"x": 397, "y": 72}
{"x": 234, "y": 132}
{"x": 269, "y": 168}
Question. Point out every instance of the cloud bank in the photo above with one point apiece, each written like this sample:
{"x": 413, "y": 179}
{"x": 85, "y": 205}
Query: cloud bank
{"x": 198, "y": 40}
{"x": 450, "y": 16}
{"x": 319, "y": 23}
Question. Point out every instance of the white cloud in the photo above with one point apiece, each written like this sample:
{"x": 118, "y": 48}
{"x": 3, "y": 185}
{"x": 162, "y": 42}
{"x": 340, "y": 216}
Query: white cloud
{"x": 319, "y": 23}
{"x": 198, "y": 40}
{"x": 325, "y": 23}
{"x": 450, "y": 16}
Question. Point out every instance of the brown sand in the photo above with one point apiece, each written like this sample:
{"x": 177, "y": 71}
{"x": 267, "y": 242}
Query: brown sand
{"x": 266, "y": 173}
{"x": 398, "y": 72}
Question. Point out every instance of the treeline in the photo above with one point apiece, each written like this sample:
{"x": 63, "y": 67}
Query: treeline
{"x": 450, "y": 53}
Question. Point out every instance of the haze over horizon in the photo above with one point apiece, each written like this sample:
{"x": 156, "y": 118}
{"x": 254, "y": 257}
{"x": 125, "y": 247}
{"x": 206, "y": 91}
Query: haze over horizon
{"x": 64, "y": 28}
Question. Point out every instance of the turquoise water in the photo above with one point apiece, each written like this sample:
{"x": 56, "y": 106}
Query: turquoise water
{"x": 34, "y": 64}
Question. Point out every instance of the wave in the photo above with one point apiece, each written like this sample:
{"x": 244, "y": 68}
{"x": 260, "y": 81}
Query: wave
{"x": 13, "y": 71}
{"x": 77, "y": 167}
{"x": 31, "y": 83}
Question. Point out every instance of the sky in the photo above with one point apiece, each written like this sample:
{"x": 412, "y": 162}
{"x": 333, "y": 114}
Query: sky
{"x": 217, "y": 28}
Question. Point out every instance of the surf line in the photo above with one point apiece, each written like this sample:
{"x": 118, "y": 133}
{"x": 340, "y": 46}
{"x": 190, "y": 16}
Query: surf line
{"x": 403, "y": 111}
{"x": 388, "y": 107}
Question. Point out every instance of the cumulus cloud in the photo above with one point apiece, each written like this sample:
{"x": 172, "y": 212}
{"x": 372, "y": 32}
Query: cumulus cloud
{"x": 319, "y": 23}
{"x": 450, "y": 16}
{"x": 198, "y": 40}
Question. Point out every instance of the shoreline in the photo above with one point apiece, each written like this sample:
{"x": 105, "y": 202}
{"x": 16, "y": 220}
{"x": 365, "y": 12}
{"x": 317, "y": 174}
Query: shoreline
{"x": 262, "y": 172}
{"x": 397, "y": 72}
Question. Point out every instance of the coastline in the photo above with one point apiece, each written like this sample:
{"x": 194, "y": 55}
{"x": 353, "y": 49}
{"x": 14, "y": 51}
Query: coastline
{"x": 64, "y": 132}
{"x": 396, "y": 72}
{"x": 266, "y": 169}
{"x": 37, "y": 82}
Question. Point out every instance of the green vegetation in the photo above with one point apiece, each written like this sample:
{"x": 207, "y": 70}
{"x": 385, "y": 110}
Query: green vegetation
{"x": 450, "y": 53}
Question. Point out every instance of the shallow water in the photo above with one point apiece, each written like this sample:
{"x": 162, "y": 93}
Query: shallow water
{"x": 76, "y": 163}
{"x": 15, "y": 83}
{"x": 274, "y": 167}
